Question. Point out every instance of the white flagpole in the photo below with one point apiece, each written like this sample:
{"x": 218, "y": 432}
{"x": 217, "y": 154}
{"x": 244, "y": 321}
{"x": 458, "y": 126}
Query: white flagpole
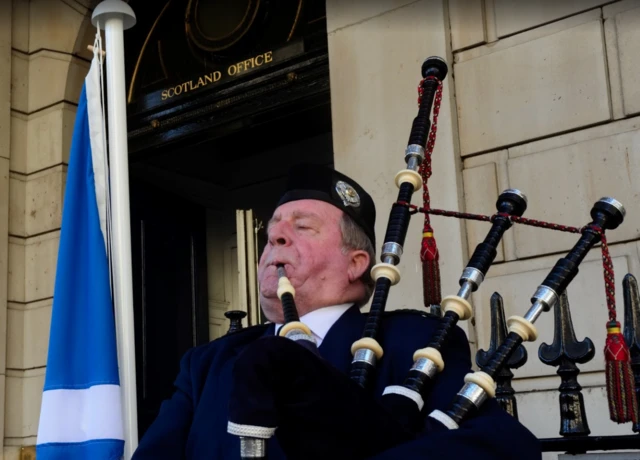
{"x": 115, "y": 16}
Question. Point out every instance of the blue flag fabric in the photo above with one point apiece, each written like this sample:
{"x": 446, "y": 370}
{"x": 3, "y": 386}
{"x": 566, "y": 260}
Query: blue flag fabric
{"x": 81, "y": 414}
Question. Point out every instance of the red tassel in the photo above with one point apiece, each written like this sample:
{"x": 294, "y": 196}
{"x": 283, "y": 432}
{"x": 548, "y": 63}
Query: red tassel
{"x": 620, "y": 383}
{"x": 430, "y": 268}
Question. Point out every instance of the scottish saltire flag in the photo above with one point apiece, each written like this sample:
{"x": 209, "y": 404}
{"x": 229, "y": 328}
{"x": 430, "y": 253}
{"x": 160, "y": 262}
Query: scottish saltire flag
{"x": 81, "y": 415}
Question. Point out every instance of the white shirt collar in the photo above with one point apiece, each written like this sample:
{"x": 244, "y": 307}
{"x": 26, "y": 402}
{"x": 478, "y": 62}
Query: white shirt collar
{"x": 321, "y": 320}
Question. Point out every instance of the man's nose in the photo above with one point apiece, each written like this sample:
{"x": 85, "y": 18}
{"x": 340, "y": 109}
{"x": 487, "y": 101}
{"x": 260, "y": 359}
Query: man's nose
{"x": 278, "y": 235}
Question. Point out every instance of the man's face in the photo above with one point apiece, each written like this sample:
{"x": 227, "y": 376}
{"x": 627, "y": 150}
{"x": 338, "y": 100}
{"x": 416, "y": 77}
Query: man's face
{"x": 305, "y": 236}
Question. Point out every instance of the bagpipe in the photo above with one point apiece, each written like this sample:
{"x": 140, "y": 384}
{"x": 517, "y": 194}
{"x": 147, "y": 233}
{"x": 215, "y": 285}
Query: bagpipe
{"x": 271, "y": 396}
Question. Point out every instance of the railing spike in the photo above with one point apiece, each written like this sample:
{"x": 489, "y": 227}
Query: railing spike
{"x": 505, "y": 394}
{"x": 564, "y": 353}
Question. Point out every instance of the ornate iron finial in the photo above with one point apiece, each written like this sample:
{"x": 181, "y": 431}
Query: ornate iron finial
{"x": 564, "y": 353}
{"x": 504, "y": 391}
{"x": 632, "y": 330}
{"x": 235, "y": 317}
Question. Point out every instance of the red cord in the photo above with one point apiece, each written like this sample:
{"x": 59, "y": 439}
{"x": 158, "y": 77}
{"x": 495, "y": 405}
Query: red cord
{"x": 607, "y": 264}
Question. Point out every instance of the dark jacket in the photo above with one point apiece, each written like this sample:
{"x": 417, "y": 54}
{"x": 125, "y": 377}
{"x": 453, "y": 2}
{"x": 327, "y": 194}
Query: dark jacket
{"x": 193, "y": 423}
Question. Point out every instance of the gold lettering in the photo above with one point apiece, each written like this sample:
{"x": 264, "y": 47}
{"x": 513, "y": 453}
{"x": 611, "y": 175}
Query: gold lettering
{"x": 233, "y": 69}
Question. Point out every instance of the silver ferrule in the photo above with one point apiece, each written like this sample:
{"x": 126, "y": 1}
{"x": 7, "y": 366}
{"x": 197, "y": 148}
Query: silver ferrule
{"x": 472, "y": 274}
{"x": 473, "y": 393}
{"x": 389, "y": 259}
{"x": 470, "y": 279}
{"x": 535, "y": 311}
{"x": 426, "y": 366}
{"x": 615, "y": 203}
{"x": 465, "y": 290}
{"x": 252, "y": 447}
{"x": 297, "y": 334}
{"x": 365, "y": 355}
{"x": 414, "y": 156}
{"x": 392, "y": 250}
{"x": 546, "y": 295}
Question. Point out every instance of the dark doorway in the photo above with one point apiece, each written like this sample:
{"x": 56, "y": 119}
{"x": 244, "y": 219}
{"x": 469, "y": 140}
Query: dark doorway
{"x": 170, "y": 290}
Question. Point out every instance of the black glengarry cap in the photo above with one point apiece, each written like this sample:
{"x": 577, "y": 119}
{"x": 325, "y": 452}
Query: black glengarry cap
{"x": 315, "y": 182}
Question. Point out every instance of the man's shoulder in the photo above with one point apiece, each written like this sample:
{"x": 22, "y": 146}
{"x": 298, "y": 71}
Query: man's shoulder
{"x": 227, "y": 343}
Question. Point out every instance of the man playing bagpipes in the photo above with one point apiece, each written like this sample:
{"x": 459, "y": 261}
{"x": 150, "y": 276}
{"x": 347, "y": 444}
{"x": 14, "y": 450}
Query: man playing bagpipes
{"x": 322, "y": 236}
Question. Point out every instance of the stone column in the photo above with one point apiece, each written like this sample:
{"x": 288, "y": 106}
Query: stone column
{"x": 49, "y": 61}
{"x": 376, "y": 50}
{"x": 5, "y": 130}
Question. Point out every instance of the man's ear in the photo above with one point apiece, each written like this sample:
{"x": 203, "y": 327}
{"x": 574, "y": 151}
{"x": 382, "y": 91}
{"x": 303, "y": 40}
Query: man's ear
{"x": 358, "y": 264}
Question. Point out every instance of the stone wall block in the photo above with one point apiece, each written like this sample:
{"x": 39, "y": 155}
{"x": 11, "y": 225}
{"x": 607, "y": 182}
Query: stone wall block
{"x": 19, "y": 142}
{"x": 17, "y": 203}
{"x": 42, "y": 140}
{"x": 36, "y": 201}
{"x": 467, "y": 23}
{"x": 532, "y": 89}
{"x": 343, "y": 13}
{"x": 5, "y": 77}
{"x": 613, "y": 63}
{"x": 20, "y": 81}
{"x": 628, "y": 36}
{"x": 41, "y": 254}
{"x": 44, "y": 198}
{"x": 23, "y": 400}
{"x": 514, "y": 16}
{"x": 565, "y": 182}
{"x": 16, "y": 270}
{"x": 481, "y": 193}
{"x": 45, "y": 78}
{"x": 28, "y": 334}
{"x": 20, "y": 29}
{"x": 54, "y": 25}
{"x": 32, "y": 264}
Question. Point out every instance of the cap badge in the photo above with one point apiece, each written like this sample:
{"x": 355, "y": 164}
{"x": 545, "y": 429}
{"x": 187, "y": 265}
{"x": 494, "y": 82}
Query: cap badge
{"x": 348, "y": 194}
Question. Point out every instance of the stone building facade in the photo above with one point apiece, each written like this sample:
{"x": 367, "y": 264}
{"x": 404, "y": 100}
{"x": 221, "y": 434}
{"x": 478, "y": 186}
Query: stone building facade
{"x": 542, "y": 98}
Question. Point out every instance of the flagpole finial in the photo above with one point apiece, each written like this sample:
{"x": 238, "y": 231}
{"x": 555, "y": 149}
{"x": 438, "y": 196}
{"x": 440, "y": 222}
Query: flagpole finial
{"x": 107, "y": 9}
